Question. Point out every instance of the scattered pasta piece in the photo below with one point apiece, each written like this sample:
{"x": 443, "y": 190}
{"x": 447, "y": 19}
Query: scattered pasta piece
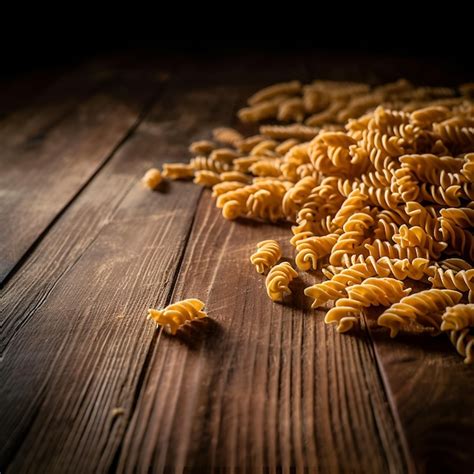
{"x": 175, "y": 315}
{"x": 278, "y": 279}
{"x": 152, "y": 178}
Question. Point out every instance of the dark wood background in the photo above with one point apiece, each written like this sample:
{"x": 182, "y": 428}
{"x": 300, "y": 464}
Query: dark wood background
{"x": 88, "y": 385}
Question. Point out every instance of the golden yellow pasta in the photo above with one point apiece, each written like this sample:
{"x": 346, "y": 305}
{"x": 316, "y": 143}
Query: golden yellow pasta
{"x": 378, "y": 183}
{"x": 424, "y": 308}
{"x": 152, "y": 178}
{"x": 268, "y": 253}
{"x": 202, "y": 147}
{"x": 371, "y": 292}
{"x": 311, "y": 249}
{"x": 227, "y": 135}
{"x": 177, "y": 314}
{"x": 458, "y": 317}
{"x": 384, "y": 267}
{"x": 463, "y": 341}
{"x": 462, "y": 280}
{"x": 178, "y": 170}
{"x": 283, "y": 88}
{"x": 278, "y": 279}
{"x": 206, "y": 178}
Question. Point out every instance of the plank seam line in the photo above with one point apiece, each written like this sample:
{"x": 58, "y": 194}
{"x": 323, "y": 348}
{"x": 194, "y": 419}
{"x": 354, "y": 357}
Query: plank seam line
{"x": 141, "y": 116}
{"x": 154, "y": 341}
{"x": 408, "y": 461}
{"x": 42, "y": 299}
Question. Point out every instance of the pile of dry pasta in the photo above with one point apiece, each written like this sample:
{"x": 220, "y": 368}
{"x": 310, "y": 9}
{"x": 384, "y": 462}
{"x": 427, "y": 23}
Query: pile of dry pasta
{"x": 379, "y": 184}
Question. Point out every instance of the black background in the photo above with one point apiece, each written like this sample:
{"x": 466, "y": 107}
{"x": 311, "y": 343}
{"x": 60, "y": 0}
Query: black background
{"x": 452, "y": 52}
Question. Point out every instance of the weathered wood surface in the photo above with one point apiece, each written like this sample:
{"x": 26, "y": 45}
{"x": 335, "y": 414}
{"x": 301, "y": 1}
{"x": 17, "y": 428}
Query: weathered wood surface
{"x": 87, "y": 385}
{"x": 269, "y": 385}
{"x": 432, "y": 394}
{"x": 51, "y": 149}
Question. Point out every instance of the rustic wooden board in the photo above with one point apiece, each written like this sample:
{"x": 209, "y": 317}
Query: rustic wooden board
{"x": 431, "y": 391}
{"x": 75, "y": 345}
{"x": 268, "y": 385}
{"x": 88, "y": 385}
{"x": 51, "y": 149}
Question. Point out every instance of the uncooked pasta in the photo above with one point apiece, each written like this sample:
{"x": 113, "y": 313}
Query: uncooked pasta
{"x": 175, "y": 315}
{"x": 378, "y": 186}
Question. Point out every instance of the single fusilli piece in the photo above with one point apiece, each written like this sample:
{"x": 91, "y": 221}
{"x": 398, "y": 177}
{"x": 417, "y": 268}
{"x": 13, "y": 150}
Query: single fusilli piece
{"x": 311, "y": 249}
{"x": 278, "y": 279}
{"x": 458, "y": 317}
{"x": 177, "y": 314}
{"x": 152, "y": 178}
{"x": 268, "y": 253}
{"x": 424, "y": 308}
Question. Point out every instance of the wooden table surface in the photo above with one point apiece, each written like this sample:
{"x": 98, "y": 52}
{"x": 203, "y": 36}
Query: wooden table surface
{"x": 88, "y": 385}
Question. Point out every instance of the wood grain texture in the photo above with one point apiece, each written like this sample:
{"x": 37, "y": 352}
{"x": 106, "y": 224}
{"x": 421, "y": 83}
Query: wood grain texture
{"x": 76, "y": 346}
{"x": 51, "y": 149}
{"x": 431, "y": 391}
{"x": 88, "y": 385}
{"x": 267, "y": 385}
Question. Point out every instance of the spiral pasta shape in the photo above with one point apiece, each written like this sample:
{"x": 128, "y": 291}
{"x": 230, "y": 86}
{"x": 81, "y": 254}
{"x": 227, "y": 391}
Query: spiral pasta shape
{"x": 446, "y": 197}
{"x": 420, "y": 216}
{"x": 152, "y": 178}
{"x": 178, "y": 171}
{"x": 423, "y": 308}
{"x": 460, "y": 240}
{"x": 383, "y": 267}
{"x": 207, "y": 163}
{"x": 379, "y": 248}
{"x": 225, "y": 187}
{"x": 462, "y": 216}
{"x": 278, "y": 279}
{"x": 463, "y": 341}
{"x": 268, "y": 253}
{"x": 296, "y": 196}
{"x": 458, "y": 317}
{"x": 206, "y": 178}
{"x": 311, "y": 249}
{"x": 227, "y": 135}
{"x": 417, "y": 237}
{"x": 371, "y": 292}
{"x": 354, "y": 202}
{"x": 462, "y": 280}
{"x": 177, "y": 314}
{"x": 353, "y": 234}
{"x": 275, "y": 90}
{"x": 202, "y": 147}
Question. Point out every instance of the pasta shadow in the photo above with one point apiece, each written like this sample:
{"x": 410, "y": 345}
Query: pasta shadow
{"x": 194, "y": 333}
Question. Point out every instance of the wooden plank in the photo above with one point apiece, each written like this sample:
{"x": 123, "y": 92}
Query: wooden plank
{"x": 268, "y": 386}
{"x": 51, "y": 149}
{"x": 76, "y": 341}
{"x": 431, "y": 391}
